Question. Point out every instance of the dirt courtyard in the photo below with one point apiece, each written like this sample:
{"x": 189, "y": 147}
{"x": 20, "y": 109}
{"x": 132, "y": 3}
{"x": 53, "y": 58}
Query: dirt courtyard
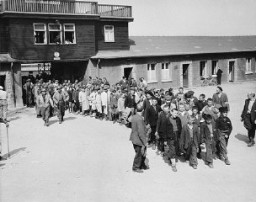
{"x": 88, "y": 160}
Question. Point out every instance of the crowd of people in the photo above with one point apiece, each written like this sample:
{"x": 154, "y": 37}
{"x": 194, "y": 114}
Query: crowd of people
{"x": 177, "y": 125}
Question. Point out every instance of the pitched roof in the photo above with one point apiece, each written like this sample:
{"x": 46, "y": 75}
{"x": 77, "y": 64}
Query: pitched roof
{"x": 4, "y": 58}
{"x": 148, "y": 46}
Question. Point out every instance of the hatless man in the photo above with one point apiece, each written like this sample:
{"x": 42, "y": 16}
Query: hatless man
{"x": 59, "y": 99}
{"x": 139, "y": 141}
{"x": 44, "y": 102}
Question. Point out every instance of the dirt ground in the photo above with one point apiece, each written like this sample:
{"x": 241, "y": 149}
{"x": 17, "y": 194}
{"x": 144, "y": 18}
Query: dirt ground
{"x": 90, "y": 160}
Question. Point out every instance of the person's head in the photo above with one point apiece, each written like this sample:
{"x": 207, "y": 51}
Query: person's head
{"x": 166, "y": 108}
{"x": 154, "y": 101}
{"x": 174, "y": 112}
{"x": 251, "y": 96}
{"x": 181, "y": 108}
{"x": 219, "y": 90}
{"x": 209, "y": 102}
{"x": 148, "y": 95}
{"x": 43, "y": 91}
{"x": 202, "y": 97}
{"x": 191, "y": 120}
{"x": 124, "y": 78}
{"x": 208, "y": 118}
{"x": 83, "y": 89}
{"x": 139, "y": 110}
{"x": 181, "y": 89}
{"x": 195, "y": 110}
{"x": 59, "y": 89}
{"x": 223, "y": 111}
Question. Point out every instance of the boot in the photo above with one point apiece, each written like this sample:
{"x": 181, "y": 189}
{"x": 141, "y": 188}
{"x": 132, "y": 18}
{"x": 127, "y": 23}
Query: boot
{"x": 227, "y": 162}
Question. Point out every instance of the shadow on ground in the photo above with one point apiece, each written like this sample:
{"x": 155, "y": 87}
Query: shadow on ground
{"x": 51, "y": 122}
{"x": 241, "y": 137}
{"x": 14, "y": 118}
{"x": 14, "y": 152}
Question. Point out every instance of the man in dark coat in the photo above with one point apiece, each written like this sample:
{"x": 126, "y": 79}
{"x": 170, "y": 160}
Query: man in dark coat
{"x": 219, "y": 74}
{"x": 151, "y": 119}
{"x": 139, "y": 141}
{"x": 209, "y": 135}
{"x": 249, "y": 117}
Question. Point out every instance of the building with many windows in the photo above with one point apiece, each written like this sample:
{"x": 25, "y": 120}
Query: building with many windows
{"x": 173, "y": 61}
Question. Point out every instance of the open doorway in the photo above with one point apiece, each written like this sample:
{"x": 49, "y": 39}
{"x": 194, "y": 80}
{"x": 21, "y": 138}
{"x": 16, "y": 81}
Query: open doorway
{"x": 231, "y": 71}
{"x": 185, "y": 75}
{"x": 128, "y": 72}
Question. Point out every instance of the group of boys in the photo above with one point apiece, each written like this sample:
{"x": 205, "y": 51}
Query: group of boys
{"x": 181, "y": 126}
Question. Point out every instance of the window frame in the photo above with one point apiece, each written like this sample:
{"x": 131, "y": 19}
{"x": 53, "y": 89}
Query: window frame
{"x": 61, "y": 33}
{"x": 216, "y": 67}
{"x": 45, "y": 33}
{"x": 248, "y": 66}
{"x": 150, "y": 72}
{"x": 106, "y": 40}
{"x": 166, "y": 70}
{"x": 64, "y": 31}
{"x": 204, "y": 72}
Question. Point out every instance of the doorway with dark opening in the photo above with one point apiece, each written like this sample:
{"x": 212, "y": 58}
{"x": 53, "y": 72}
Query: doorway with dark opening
{"x": 128, "y": 72}
{"x": 2, "y": 81}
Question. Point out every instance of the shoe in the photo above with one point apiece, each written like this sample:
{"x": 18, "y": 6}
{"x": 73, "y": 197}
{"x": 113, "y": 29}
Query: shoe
{"x": 46, "y": 124}
{"x": 174, "y": 169}
{"x": 222, "y": 158}
{"x": 154, "y": 147}
{"x": 210, "y": 165}
{"x": 227, "y": 162}
{"x": 250, "y": 144}
{"x": 145, "y": 167}
{"x": 60, "y": 122}
{"x": 194, "y": 166}
{"x": 2, "y": 158}
{"x": 137, "y": 170}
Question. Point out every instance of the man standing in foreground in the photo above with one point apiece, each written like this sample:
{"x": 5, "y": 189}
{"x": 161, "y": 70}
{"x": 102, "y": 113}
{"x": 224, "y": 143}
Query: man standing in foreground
{"x": 59, "y": 99}
{"x": 139, "y": 141}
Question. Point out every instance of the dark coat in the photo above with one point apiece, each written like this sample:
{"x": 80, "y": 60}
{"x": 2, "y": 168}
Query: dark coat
{"x": 130, "y": 102}
{"x": 186, "y": 139}
{"x": 253, "y": 110}
{"x": 152, "y": 115}
{"x": 164, "y": 127}
{"x": 205, "y": 132}
{"x": 200, "y": 105}
{"x": 223, "y": 124}
{"x": 138, "y": 134}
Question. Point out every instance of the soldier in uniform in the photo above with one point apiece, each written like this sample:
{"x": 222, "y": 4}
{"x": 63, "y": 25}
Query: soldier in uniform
{"x": 44, "y": 102}
{"x": 59, "y": 99}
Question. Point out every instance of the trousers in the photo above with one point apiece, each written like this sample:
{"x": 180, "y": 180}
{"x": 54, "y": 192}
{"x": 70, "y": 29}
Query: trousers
{"x": 139, "y": 159}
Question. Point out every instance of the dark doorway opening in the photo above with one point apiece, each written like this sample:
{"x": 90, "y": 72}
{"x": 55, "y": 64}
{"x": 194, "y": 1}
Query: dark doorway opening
{"x": 68, "y": 70}
{"x": 2, "y": 81}
{"x": 128, "y": 72}
{"x": 185, "y": 75}
{"x": 231, "y": 71}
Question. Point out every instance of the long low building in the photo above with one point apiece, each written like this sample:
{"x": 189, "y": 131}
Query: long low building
{"x": 174, "y": 61}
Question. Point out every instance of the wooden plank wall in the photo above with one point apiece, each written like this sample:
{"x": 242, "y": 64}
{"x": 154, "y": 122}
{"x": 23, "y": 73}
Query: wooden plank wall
{"x": 22, "y": 41}
{"x": 121, "y": 36}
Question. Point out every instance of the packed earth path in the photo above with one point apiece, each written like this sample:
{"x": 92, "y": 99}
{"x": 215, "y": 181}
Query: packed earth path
{"x": 85, "y": 159}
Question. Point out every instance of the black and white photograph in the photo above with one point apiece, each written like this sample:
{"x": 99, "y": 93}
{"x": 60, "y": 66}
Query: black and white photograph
{"x": 127, "y": 100}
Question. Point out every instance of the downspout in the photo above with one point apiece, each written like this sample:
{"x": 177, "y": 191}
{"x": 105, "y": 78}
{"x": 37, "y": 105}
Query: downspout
{"x": 98, "y": 68}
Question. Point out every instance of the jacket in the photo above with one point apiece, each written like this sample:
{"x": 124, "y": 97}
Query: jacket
{"x": 245, "y": 110}
{"x": 223, "y": 124}
{"x": 152, "y": 115}
{"x": 44, "y": 103}
{"x": 138, "y": 134}
{"x": 186, "y": 139}
{"x": 221, "y": 101}
{"x": 205, "y": 132}
{"x": 164, "y": 127}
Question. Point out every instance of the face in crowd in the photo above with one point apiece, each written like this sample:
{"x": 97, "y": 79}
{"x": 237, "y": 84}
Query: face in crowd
{"x": 181, "y": 108}
{"x": 174, "y": 113}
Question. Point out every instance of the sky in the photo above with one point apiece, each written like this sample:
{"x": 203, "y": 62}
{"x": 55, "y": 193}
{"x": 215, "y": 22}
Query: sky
{"x": 191, "y": 17}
